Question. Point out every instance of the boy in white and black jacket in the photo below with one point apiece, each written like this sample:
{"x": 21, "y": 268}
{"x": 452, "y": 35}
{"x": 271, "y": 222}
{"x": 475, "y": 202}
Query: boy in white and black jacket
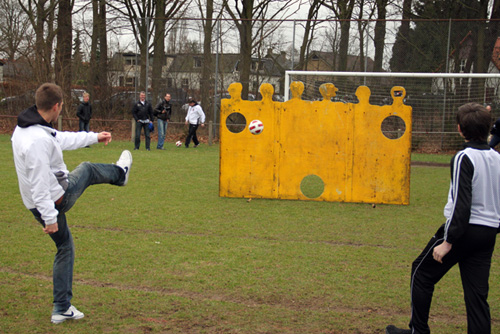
{"x": 468, "y": 236}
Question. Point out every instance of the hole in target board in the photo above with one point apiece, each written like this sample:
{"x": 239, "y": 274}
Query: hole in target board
{"x": 312, "y": 186}
{"x": 236, "y": 122}
{"x": 393, "y": 127}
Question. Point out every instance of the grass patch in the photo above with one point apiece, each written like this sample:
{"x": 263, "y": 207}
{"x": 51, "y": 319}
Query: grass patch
{"x": 432, "y": 158}
{"x": 166, "y": 254}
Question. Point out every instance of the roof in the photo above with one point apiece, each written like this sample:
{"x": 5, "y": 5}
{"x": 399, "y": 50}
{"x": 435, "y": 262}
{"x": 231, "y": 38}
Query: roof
{"x": 228, "y": 63}
{"x": 353, "y": 62}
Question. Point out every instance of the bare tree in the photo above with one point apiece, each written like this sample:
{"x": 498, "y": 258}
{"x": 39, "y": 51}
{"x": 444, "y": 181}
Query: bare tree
{"x": 310, "y": 27}
{"x": 245, "y": 15}
{"x": 207, "y": 69}
{"x": 165, "y": 11}
{"x": 342, "y": 10}
{"x": 98, "y": 84}
{"x": 14, "y": 29}
{"x": 379, "y": 39}
{"x": 400, "y": 54}
{"x": 63, "y": 60}
{"x": 362, "y": 29}
{"x": 139, "y": 13}
{"x": 41, "y": 15}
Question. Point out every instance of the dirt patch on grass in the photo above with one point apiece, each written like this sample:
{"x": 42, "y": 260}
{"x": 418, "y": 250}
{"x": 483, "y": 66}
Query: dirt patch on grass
{"x": 429, "y": 164}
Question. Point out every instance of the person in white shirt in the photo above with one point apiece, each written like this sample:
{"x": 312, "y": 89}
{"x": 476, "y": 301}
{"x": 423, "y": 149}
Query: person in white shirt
{"x": 195, "y": 116}
{"x": 49, "y": 190}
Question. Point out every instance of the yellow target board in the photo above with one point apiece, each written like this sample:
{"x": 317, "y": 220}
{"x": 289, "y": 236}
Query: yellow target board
{"x": 315, "y": 150}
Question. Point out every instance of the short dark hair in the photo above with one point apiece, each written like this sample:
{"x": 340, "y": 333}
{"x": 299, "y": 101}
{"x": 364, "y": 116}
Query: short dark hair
{"x": 475, "y": 121}
{"x": 48, "y": 95}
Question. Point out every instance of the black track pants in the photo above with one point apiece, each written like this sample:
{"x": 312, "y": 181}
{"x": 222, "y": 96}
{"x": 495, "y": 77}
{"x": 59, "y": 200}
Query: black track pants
{"x": 473, "y": 254}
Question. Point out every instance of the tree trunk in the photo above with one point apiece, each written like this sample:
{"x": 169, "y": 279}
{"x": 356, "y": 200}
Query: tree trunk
{"x": 94, "y": 69}
{"x": 206, "y": 83}
{"x": 399, "y": 60}
{"x": 361, "y": 31}
{"x": 144, "y": 51}
{"x": 345, "y": 13}
{"x": 245, "y": 30}
{"x": 105, "y": 89}
{"x": 379, "y": 39}
{"x": 159, "y": 52}
{"x": 308, "y": 33}
{"x": 63, "y": 61}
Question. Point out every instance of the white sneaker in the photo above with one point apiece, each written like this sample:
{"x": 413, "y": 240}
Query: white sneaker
{"x": 125, "y": 162}
{"x": 71, "y": 314}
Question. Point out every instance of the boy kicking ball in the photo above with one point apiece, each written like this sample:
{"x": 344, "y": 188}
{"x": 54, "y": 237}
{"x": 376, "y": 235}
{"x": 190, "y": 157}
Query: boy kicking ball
{"x": 49, "y": 190}
{"x": 468, "y": 236}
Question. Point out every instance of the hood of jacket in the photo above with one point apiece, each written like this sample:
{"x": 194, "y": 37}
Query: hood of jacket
{"x": 30, "y": 117}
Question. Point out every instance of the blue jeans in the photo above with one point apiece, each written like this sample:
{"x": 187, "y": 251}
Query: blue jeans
{"x": 162, "y": 130}
{"x": 138, "y": 128}
{"x": 85, "y": 175}
{"x": 83, "y": 126}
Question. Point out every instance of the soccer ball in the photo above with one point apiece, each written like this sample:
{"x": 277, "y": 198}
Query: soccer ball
{"x": 178, "y": 143}
{"x": 256, "y": 127}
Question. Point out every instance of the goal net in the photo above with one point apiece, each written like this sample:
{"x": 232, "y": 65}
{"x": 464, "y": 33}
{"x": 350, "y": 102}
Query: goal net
{"x": 434, "y": 98}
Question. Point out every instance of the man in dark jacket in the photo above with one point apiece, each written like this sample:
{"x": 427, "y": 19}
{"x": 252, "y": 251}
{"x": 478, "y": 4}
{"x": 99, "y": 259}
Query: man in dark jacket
{"x": 163, "y": 112}
{"x": 143, "y": 115}
{"x": 84, "y": 113}
{"x": 495, "y": 131}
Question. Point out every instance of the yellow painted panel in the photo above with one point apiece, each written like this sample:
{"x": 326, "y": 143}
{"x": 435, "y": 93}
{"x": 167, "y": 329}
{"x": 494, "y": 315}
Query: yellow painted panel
{"x": 341, "y": 143}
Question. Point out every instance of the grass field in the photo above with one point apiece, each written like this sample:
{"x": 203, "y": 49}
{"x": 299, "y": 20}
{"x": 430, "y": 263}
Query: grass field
{"x": 165, "y": 254}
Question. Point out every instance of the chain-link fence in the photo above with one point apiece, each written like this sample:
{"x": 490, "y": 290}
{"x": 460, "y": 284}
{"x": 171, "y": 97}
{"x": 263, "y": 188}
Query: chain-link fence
{"x": 427, "y": 46}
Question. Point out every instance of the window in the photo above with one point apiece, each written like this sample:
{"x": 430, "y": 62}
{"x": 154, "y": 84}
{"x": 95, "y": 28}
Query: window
{"x": 257, "y": 65}
{"x": 197, "y": 62}
{"x": 130, "y": 61}
{"x": 463, "y": 63}
{"x": 255, "y": 85}
{"x": 185, "y": 83}
{"x": 130, "y": 81}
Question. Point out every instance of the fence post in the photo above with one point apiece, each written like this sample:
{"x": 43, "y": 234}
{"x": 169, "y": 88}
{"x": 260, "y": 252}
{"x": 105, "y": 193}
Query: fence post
{"x": 132, "y": 135}
{"x": 59, "y": 123}
{"x": 210, "y": 133}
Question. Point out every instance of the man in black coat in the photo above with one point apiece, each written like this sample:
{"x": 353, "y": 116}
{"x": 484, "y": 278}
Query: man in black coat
{"x": 163, "y": 112}
{"x": 143, "y": 115}
{"x": 84, "y": 113}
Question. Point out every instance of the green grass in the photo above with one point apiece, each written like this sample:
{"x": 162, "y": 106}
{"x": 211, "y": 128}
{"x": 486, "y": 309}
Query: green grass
{"x": 166, "y": 254}
{"x": 433, "y": 158}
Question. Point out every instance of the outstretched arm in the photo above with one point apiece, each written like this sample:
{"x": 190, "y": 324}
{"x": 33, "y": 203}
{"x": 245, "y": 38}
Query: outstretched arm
{"x": 104, "y": 137}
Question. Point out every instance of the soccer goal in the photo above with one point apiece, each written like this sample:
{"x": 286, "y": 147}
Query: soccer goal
{"x": 434, "y": 98}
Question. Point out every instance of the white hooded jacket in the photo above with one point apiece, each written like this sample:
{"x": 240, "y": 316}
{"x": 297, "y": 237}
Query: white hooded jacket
{"x": 38, "y": 158}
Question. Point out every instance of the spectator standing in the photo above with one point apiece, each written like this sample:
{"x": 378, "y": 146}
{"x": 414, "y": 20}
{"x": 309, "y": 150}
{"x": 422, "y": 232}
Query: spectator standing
{"x": 84, "y": 113}
{"x": 49, "y": 190}
{"x": 143, "y": 115}
{"x": 195, "y": 116}
{"x": 163, "y": 112}
{"x": 495, "y": 131}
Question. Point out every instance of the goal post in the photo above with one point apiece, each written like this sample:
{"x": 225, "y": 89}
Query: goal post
{"x": 434, "y": 97}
